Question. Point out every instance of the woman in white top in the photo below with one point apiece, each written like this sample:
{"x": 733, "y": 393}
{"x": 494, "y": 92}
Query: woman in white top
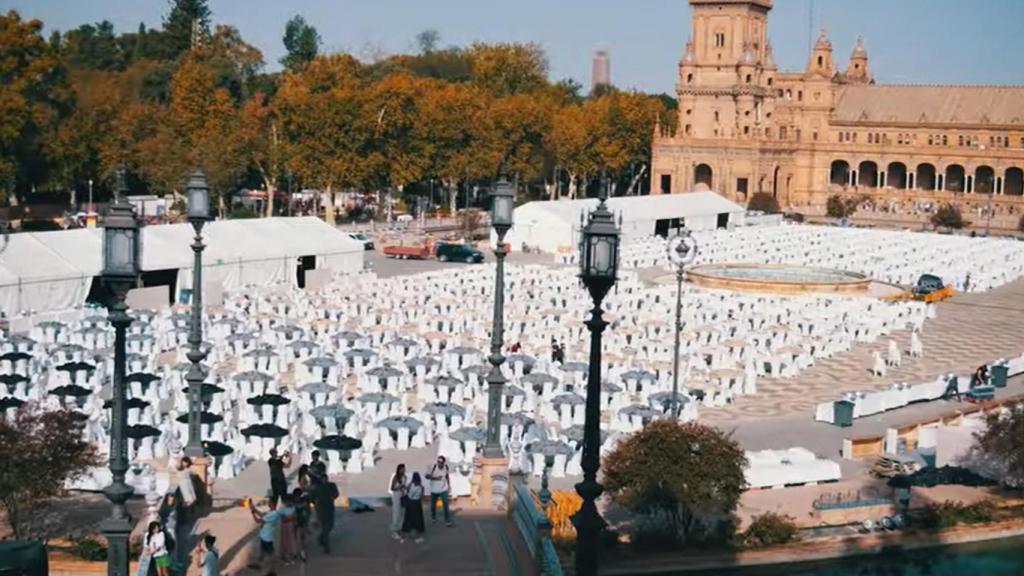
{"x": 156, "y": 546}
{"x": 397, "y": 487}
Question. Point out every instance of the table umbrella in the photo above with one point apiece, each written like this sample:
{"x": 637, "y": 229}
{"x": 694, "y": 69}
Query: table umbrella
{"x": 138, "y": 431}
{"x": 608, "y": 386}
{"x": 260, "y": 353}
{"x": 385, "y": 372}
{"x": 241, "y": 337}
{"x": 570, "y": 398}
{"x": 139, "y": 338}
{"x": 665, "y": 398}
{"x": 299, "y": 344}
{"x": 336, "y": 411}
{"x": 422, "y": 360}
{"x": 144, "y": 378}
{"x": 377, "y": 398}
{"x": 349, "y": 335}
{"x": 539, "y": 378}
{"x": 510, "y": 390}
{"x": 252, "y": 376}
{"x": 265, "y": 430}
{"x": 21, "y": 339}
{"x": 65, "y": 348}
{"x": 360, "y": 352}
{"x": 443, "y": 380}
{"x": 463, "y": 350}
{"x": 549, "y": 447}
{"x": 287, "y": 328}
{"x": 204, "y": 418}
{"x": 478, "y": 369}
{"x": 70, "y": 390}
{"x": 575, "y": 433}
{"x": 321, "y": 361}
{"x": 10, "y": 402}
{"x": 343, "y": 445}
{"x": 469, "y": 433}
{"x": 516, "y": 418}
{"x": 217, "y": 449}
{"x": 640, "y": 410}
{"x": 403, "y": 343}
{"x": 575, "y": 367}
{"x": 15, "y": 356}
{"x": 92, "y": 330}
{"x": 76, "y": 366}
{"x": 396, "y": 422}
{"x": 12, "y": 379}
{"x": 129, "y": 403}
{"x": 445, "y": 408}
{"x": 524, "y": 358}
{"x": 206, "y": 390}
{"x": 271, "y": 399}
{"x": 51, "y": 324}
{"x": 317, "y": 388}
{"x": 639, "y": 375}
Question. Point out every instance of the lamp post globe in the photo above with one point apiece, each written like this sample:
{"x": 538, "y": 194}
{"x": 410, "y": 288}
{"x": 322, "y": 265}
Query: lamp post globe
{"x": 682, "y": 251}
{"x": 198, "y": 195}
{"x": 503, "y": 203}
{"x": 599, "y": 261}
{"x": 121, "y": 256}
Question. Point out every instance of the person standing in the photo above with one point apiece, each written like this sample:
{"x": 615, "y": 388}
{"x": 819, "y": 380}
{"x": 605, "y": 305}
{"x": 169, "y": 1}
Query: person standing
{"x": 210, "y": 556}
{"x": 413, "y": 520}
{"x": 287, "y": 537}
{"x": 269, "y": 522}
{"x": 156, "y": 546}
{"x": 439, "y": 483}
{"x": 317, "y": 468}
{"x": 397, "y": 487}
{"x": 278, "y": 482}
{"x": 324, "y": 494}
{"x": 300, "y": 499}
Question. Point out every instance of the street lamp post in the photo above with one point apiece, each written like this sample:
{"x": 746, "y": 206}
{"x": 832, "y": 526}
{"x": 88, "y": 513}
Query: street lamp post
{"x": 682, "y": 250}
{"x": 90, "y": 196}
{"x": 198, "y": 195}
{"x": 599, "y": 260}
{"x": 501, "y": 218}
{"x": 120, "y": 272}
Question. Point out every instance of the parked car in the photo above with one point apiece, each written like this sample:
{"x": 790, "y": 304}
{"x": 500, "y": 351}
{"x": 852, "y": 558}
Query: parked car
{"x": 459, "y": 253}
{"x": 360, "y": 237}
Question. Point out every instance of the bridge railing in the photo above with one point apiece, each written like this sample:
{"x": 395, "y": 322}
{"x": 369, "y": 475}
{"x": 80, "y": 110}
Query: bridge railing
{"x": 535, "y": 529}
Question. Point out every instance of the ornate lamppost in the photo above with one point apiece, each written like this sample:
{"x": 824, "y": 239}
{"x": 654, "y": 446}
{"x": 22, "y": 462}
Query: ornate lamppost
{"x": 599, "y": 261}
{"x": 682, "y": 251}
{"x": 120, "y": 273}
{"x": 503, "y": 198}
{"x": 198, "y": 196}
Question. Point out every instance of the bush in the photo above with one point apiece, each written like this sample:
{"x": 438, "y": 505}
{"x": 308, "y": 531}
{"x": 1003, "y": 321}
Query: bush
{"x": 770, "y": 529}
{"x": 89, "y": 549}
{"x": 948, "y": 514}
{"x": 655, "y": 532}
{"x": 763, "y": 202}
{"x": 948, "y": 216}
{"x": 241, "y": 212}
{"x": 840, "y": 207}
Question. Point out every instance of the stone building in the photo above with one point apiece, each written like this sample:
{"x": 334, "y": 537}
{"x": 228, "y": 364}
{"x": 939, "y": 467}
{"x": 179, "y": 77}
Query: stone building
{"x": 746, "y": 127}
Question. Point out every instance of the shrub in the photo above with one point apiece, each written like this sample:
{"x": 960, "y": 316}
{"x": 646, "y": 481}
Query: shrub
{"x": 242, "y": 212}
{"x": 948, "y": 514}
{"x": 770, "y": 529}
{"x": 655, "y": 532}
{"x": 564, "y": 503}
{"x": 763, "y": 202}
{"x": 948, "y": 216}
{"x": 840, "y": 207}
{"x": 89, "y": 549}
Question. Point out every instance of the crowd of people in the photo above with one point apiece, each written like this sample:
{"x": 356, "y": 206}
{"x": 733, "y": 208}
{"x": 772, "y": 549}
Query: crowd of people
{"x": 407, "y": 494}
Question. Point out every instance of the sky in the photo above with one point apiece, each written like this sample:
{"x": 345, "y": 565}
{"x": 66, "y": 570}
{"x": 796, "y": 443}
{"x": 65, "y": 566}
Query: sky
{"x": 908, "y": 41}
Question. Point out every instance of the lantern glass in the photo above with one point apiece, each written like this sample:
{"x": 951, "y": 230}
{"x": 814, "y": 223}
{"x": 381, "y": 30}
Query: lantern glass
{"x": 119, "y": 253}
{"x": 198, "y": 203}
{"x": 601, "y": 256}
{"x": 501, "y": 211}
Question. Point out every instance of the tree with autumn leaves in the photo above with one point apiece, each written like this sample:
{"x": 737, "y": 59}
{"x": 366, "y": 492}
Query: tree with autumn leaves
{"x": 88, "y": 102}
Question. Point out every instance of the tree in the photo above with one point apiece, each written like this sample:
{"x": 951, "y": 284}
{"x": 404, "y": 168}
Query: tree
{"x": 506, "y": 69}
{"x": 763, "y": 202}
{"x": 92, "y": 47}
{"x": 839, "y": 207}
{"x": 188, "y": 20}
{"x": 302, "y": 42}
{"x": 428, "y": 40}
{"x": 684, "y": 471}
{"x": 574, "y": 130}
{"x": 948, "y": 216}
{"x": 234, "y": 62}
{"x": 40, "y": 451}
{"x": 1003, "y": 442}
{"x": 260, "y": 142}
{"x": 770, "y": 529}
{"x": 455, "y": 120}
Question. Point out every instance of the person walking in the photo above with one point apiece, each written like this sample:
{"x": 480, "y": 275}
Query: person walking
{"x": 397, "y": 487}
{"x": 209, "y": 556}
{"x": 324, "y": 494}
{"x": 302, "y": 479}
{"x": 413, "y": 519}
{"x": 317, "y": 467}
{"x": 156, "y": 546}
{"x": 439, "y": 483}
{"x": 287, "y": 536}
{"x": 269, "y": 522}
{"x": 278, "y": 482}
{"x": 300, "y": 499}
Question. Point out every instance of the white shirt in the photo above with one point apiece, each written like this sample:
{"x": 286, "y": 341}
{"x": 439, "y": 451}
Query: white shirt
{"x": 437, "y": 479}
{"x": 156, "y": 545}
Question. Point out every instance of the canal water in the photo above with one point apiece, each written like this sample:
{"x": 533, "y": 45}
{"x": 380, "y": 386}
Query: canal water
{"x": 994, "y": 558}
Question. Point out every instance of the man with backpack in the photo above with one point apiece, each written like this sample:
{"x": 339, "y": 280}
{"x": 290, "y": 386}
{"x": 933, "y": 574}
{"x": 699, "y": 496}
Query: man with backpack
{"x": 439, "y": 484}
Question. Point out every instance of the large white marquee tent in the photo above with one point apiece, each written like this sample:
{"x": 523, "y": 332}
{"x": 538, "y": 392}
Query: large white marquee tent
{"x": 45, "y": 271}
{"x": 553, "y": 225}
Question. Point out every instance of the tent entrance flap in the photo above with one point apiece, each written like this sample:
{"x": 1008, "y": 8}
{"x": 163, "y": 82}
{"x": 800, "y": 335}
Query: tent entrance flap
{"x": 723, "y": 220}
{"x": 168, "y": 277}
{"x": 668, "y": 226}
{"x": 304, "y": 263}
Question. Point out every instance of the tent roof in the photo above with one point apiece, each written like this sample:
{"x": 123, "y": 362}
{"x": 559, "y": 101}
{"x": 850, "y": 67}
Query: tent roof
{"x": 641, "y": 208}
{"x": 29, "y": 259}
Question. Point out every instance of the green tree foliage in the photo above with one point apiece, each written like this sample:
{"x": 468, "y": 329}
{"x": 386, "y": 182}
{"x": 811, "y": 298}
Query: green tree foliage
{"x": 685, "y": 471}
{"x": 764, "y": 202}
{"x": 186, "y": 20}
{"x": 92, "y": 47}
{"x": 1003, "y": 442}
{"x": 509, "y": 68}
{"x": 841, "y": 207}
{"x": 40, "y": 451}
{"x": 302, "y": 42}
{"x": 948, "y": 216}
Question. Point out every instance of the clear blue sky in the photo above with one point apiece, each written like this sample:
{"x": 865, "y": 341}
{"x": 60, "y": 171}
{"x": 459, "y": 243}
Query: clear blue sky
{"x": 908, "y": 41}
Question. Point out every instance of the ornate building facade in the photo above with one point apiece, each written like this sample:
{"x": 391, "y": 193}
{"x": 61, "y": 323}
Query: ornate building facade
{"x": 745, "y": 127}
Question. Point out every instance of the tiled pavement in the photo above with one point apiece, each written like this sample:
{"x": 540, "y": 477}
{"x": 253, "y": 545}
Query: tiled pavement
{"x": 969, "y": 329}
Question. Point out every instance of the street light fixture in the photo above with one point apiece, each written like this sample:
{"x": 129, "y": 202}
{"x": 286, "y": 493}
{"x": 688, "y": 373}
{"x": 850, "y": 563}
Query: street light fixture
{"x": 682, "y": 251}
{"x": 120, "y": 272}
{"x": 599, "y": 261}
{"x": 503, "y": 197}
{"x": 198, "y": 194}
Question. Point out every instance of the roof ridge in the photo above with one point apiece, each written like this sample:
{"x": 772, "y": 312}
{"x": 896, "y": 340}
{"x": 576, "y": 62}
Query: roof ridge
{"x": 926, "y": 85}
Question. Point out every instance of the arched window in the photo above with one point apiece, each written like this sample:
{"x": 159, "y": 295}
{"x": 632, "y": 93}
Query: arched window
{"x": 748, "y": 78}
{"x": 689, "y": 78}
{"x": 821, "y": 61}
{"x": 769, "y": 81}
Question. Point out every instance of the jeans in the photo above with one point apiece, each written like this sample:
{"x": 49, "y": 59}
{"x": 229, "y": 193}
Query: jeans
{"x": 434, "y": 497}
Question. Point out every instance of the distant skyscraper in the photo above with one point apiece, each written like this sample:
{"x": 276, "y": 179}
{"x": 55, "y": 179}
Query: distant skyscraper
{"x": 602, "y": 70}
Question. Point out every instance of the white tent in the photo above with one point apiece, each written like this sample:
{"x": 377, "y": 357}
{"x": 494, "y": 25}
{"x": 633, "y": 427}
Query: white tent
{"x": 553, "y": 225}
{"x": 44, "y": 271}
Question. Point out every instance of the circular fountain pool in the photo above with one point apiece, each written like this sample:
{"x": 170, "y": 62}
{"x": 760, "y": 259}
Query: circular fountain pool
{"x": 777, "y": 278}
